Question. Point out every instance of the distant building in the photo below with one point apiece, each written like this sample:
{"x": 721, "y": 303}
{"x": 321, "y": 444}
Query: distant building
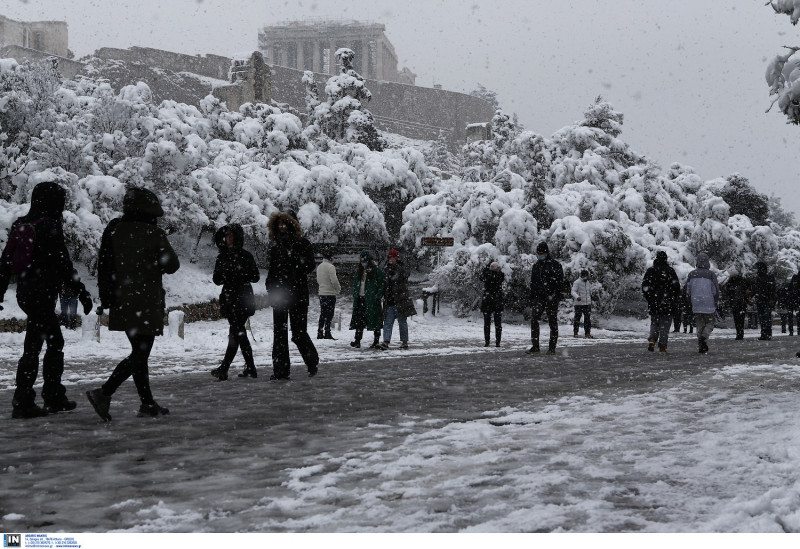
{"x": 45, "y": 36}
{"x": 312, "y": 45}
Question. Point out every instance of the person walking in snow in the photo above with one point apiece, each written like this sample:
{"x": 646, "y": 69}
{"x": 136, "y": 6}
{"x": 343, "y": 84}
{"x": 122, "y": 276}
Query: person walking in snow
{"x": 36, "y": 253}
{"x": 235, "y": 270}
{"x": 547, "y": 286}
{"x": 764, "y": 295}
{"x": 329, "y": 288}
{"x": 134, "y": 255}
{"x": 785, "y": 306}
{"x": 397, "y": 303}
{"x": 702, "y": 289}
{"x": 368, "y": 287}
{"x": 492, "y": 304}
{"x": 661, "y": 288}
{"x": 686, "y": 310}
{"x": 582, "y": 301}
{"x": 736, "y": 294}
{"x": 291, "y": 260}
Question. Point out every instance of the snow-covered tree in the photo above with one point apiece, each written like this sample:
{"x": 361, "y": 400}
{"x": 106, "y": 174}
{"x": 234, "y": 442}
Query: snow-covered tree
{"x": 487, "y": 95}
{"x": 343, "y": 117}
{"x": 783, "y": 72}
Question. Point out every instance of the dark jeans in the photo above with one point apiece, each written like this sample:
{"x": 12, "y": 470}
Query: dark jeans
{"x": 134, "y": 365}
{"x": 765, "y": 319}
{"x": 586, "y": 311}
{"x": 69, "y": 312}
{"x": 237, "y": 338}
{"x": 659, "y": 328}
{"x": 296, "y": 316}
{"x": 550, "y": 308}
{"x": 790, "y": 317}
{"x": 327, "y": 305}
{"x": 487, "y": 325}
{"x": 41, "y": 329}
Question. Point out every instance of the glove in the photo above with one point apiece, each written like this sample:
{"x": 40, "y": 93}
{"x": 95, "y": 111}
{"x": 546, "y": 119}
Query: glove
{"x": 86, "y": 301}
{"x": 100, "y": 311}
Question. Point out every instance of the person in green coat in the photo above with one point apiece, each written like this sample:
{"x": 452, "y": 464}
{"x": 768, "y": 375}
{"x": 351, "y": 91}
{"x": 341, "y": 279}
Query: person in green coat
{"x": 368, "y": 288}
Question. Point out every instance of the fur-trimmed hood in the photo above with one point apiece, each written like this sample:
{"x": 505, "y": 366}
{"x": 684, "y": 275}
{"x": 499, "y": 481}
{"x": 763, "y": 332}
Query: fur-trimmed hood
{"x": 291, "y": 222}
{"x": 238, "y": 236}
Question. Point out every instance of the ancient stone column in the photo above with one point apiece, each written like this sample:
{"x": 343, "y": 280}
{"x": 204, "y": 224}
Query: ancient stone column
{"x": 365, "y": 57}
{"x": 299, "y": 55}
{"x": 317, "y": 61}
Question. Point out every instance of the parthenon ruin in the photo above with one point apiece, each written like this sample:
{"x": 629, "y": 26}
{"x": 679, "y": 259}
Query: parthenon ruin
{"x": 311, "y": 45}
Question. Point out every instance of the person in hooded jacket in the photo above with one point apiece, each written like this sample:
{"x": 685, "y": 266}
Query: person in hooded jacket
{"x": 764, "y": 295}
{"x": 736, "y": 294}
{"x": 702, "y": 289}
{"x": 134, "y": 255}
{"x": 547, "y": 287}
{"x": 235, "y": 270}
{"x": 37, "y": 288}
{"x": 368, "y": 288}
{"x": 661, "y": 288}
{"x": 291, "y": 260}
{"x": 492, "y": 304}
{"x": 582, "y": 301}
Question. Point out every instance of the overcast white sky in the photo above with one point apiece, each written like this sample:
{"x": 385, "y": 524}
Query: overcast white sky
{"x": 687, "y": 74}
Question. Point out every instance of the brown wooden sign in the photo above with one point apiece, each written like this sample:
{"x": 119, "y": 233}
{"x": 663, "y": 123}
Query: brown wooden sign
{"x": 438, "y": 242}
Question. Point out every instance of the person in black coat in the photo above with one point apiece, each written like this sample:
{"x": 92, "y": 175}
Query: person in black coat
{"x": 134, "y": 255}
{"x": 291, "y": 260}
{"x": 235, "y": 270}
{"x": 492, "y": 302}
{"x": 661, "y": 289}
{"x": 547, "y": 290}
{"x": 38, "y": 285}
{"x": 736, "y": 293}
{"x": 786, "y": 305}
{"x": 764, "y": 295}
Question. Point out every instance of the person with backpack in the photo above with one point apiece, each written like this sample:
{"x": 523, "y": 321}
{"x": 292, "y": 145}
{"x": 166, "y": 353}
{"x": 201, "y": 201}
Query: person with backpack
{"x": 235, "y": 270}
{"x": 492, "y": 301}
{"x": 547, "y": 286}
{"x": 37, "y": 255}
{"x": 134, "y": 255}
{"x": 291, "y": 260}
{"x": 661, "y": 288}
{"x": 702, "y": 289}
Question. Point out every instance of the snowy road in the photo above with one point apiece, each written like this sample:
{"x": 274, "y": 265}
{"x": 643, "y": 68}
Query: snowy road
{"x": 603, "y": 437}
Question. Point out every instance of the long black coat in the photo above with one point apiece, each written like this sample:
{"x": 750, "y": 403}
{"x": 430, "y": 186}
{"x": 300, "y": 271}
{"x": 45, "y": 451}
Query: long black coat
{"x": 547, "y": 281}
{"x": 38, "y": 286}
{"x": 291, "y": 260}
{"x": 763, "y": 286}
{"x": 235, "y": 270}
{"x": 661, "y": 288}
{"x": 736, "y": 292}
{"x": 134, "y": 254}
{"x": 492, "y": 299}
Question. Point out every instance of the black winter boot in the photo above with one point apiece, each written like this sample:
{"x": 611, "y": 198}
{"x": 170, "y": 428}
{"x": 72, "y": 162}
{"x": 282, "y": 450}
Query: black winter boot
{"x": 221, "y": 371}
{"x": 487, "y": 333}
{"x": 498, "y": 332}
{"x": 320, "y": 335}
{"x": 26, "y": 410}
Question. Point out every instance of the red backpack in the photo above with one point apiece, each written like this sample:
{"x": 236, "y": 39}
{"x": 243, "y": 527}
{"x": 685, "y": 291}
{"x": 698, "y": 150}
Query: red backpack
{"x": 18, "y": 254}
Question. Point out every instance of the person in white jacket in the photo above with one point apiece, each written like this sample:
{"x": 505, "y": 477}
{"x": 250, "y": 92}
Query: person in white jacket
{"x": 329, "y": 288}
{"x": 703, "y": 291}
{"x": 582, "y": 297}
